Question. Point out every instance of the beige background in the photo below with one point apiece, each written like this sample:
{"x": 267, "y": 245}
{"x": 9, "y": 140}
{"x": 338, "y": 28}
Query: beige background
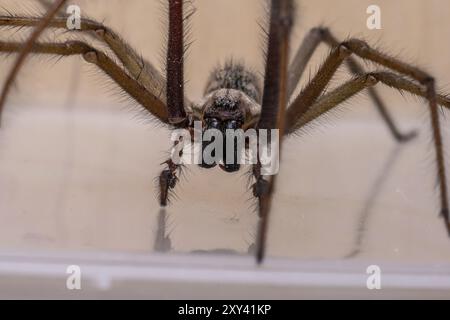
{"x": 77, "y": 165}
{"x": 415, "y": 30}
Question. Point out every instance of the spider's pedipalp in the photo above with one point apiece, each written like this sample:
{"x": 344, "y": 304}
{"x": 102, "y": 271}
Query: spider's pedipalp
{"x": 167, "y": 182}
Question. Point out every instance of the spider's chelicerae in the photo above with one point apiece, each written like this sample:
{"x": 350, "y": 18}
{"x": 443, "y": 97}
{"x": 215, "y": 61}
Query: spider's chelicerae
{"x": 234, "y": 98}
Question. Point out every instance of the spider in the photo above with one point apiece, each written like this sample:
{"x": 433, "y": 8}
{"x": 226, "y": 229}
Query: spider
{"x": 234, "y": 98}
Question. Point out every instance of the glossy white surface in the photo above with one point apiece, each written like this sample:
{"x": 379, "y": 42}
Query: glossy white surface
{"x": 127, "y": 276}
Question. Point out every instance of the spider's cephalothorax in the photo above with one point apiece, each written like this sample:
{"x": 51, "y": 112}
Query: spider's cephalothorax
{"x": 232, "y": 102}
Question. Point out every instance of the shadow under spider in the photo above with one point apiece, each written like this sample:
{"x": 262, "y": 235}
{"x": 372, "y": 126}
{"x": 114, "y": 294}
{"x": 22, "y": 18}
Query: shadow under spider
{"x": 370, "y": 203}
{"x": 163, "y": 243}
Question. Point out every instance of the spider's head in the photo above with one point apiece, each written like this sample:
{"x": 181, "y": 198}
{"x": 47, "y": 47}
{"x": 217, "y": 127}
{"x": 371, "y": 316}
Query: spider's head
{"x": 224, "y": 109}
{"x": 228, "y": 109}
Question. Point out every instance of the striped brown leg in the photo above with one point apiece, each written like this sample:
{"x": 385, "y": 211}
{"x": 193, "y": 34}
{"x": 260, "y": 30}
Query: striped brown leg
{"x": 175, "y": 91}
{"x": 27, "y": 48}
{"x": 364, "y": 51}
{"x": 138, "y": 67}
{"x": 303, "y": 55}
{"x": 352, "y": 87}
{"x": 175, "y": 64}
{"x": 133, "y": 88}
{"x": 273, "y": 106}
{"x": 349, "y": 89}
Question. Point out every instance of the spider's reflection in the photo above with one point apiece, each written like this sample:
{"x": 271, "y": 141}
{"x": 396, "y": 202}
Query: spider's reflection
{"x": 163, "y": 243}
{"x": 369, "y": 204}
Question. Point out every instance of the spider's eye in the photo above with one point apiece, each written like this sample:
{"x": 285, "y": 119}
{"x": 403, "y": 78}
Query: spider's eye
{"x": 233, "y": 124}
{"x": 213, "y": 123}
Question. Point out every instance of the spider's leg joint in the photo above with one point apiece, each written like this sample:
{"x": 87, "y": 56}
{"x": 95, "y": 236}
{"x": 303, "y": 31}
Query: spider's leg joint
{"x": 90, "y": 57}
{"x": 424, "y": 90}
{"x": 322, "y": 31}
{"x": 356, "y": 45}
{"x": 100, "y": 33}
{"x": 344, "y": 51}
{"x": 286, "y": 21}
{"x": 371, "y": 79}
{"x": 429, "y": 84}
{"x": 260, "y": 188}
{"x": 429, "y": 80}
